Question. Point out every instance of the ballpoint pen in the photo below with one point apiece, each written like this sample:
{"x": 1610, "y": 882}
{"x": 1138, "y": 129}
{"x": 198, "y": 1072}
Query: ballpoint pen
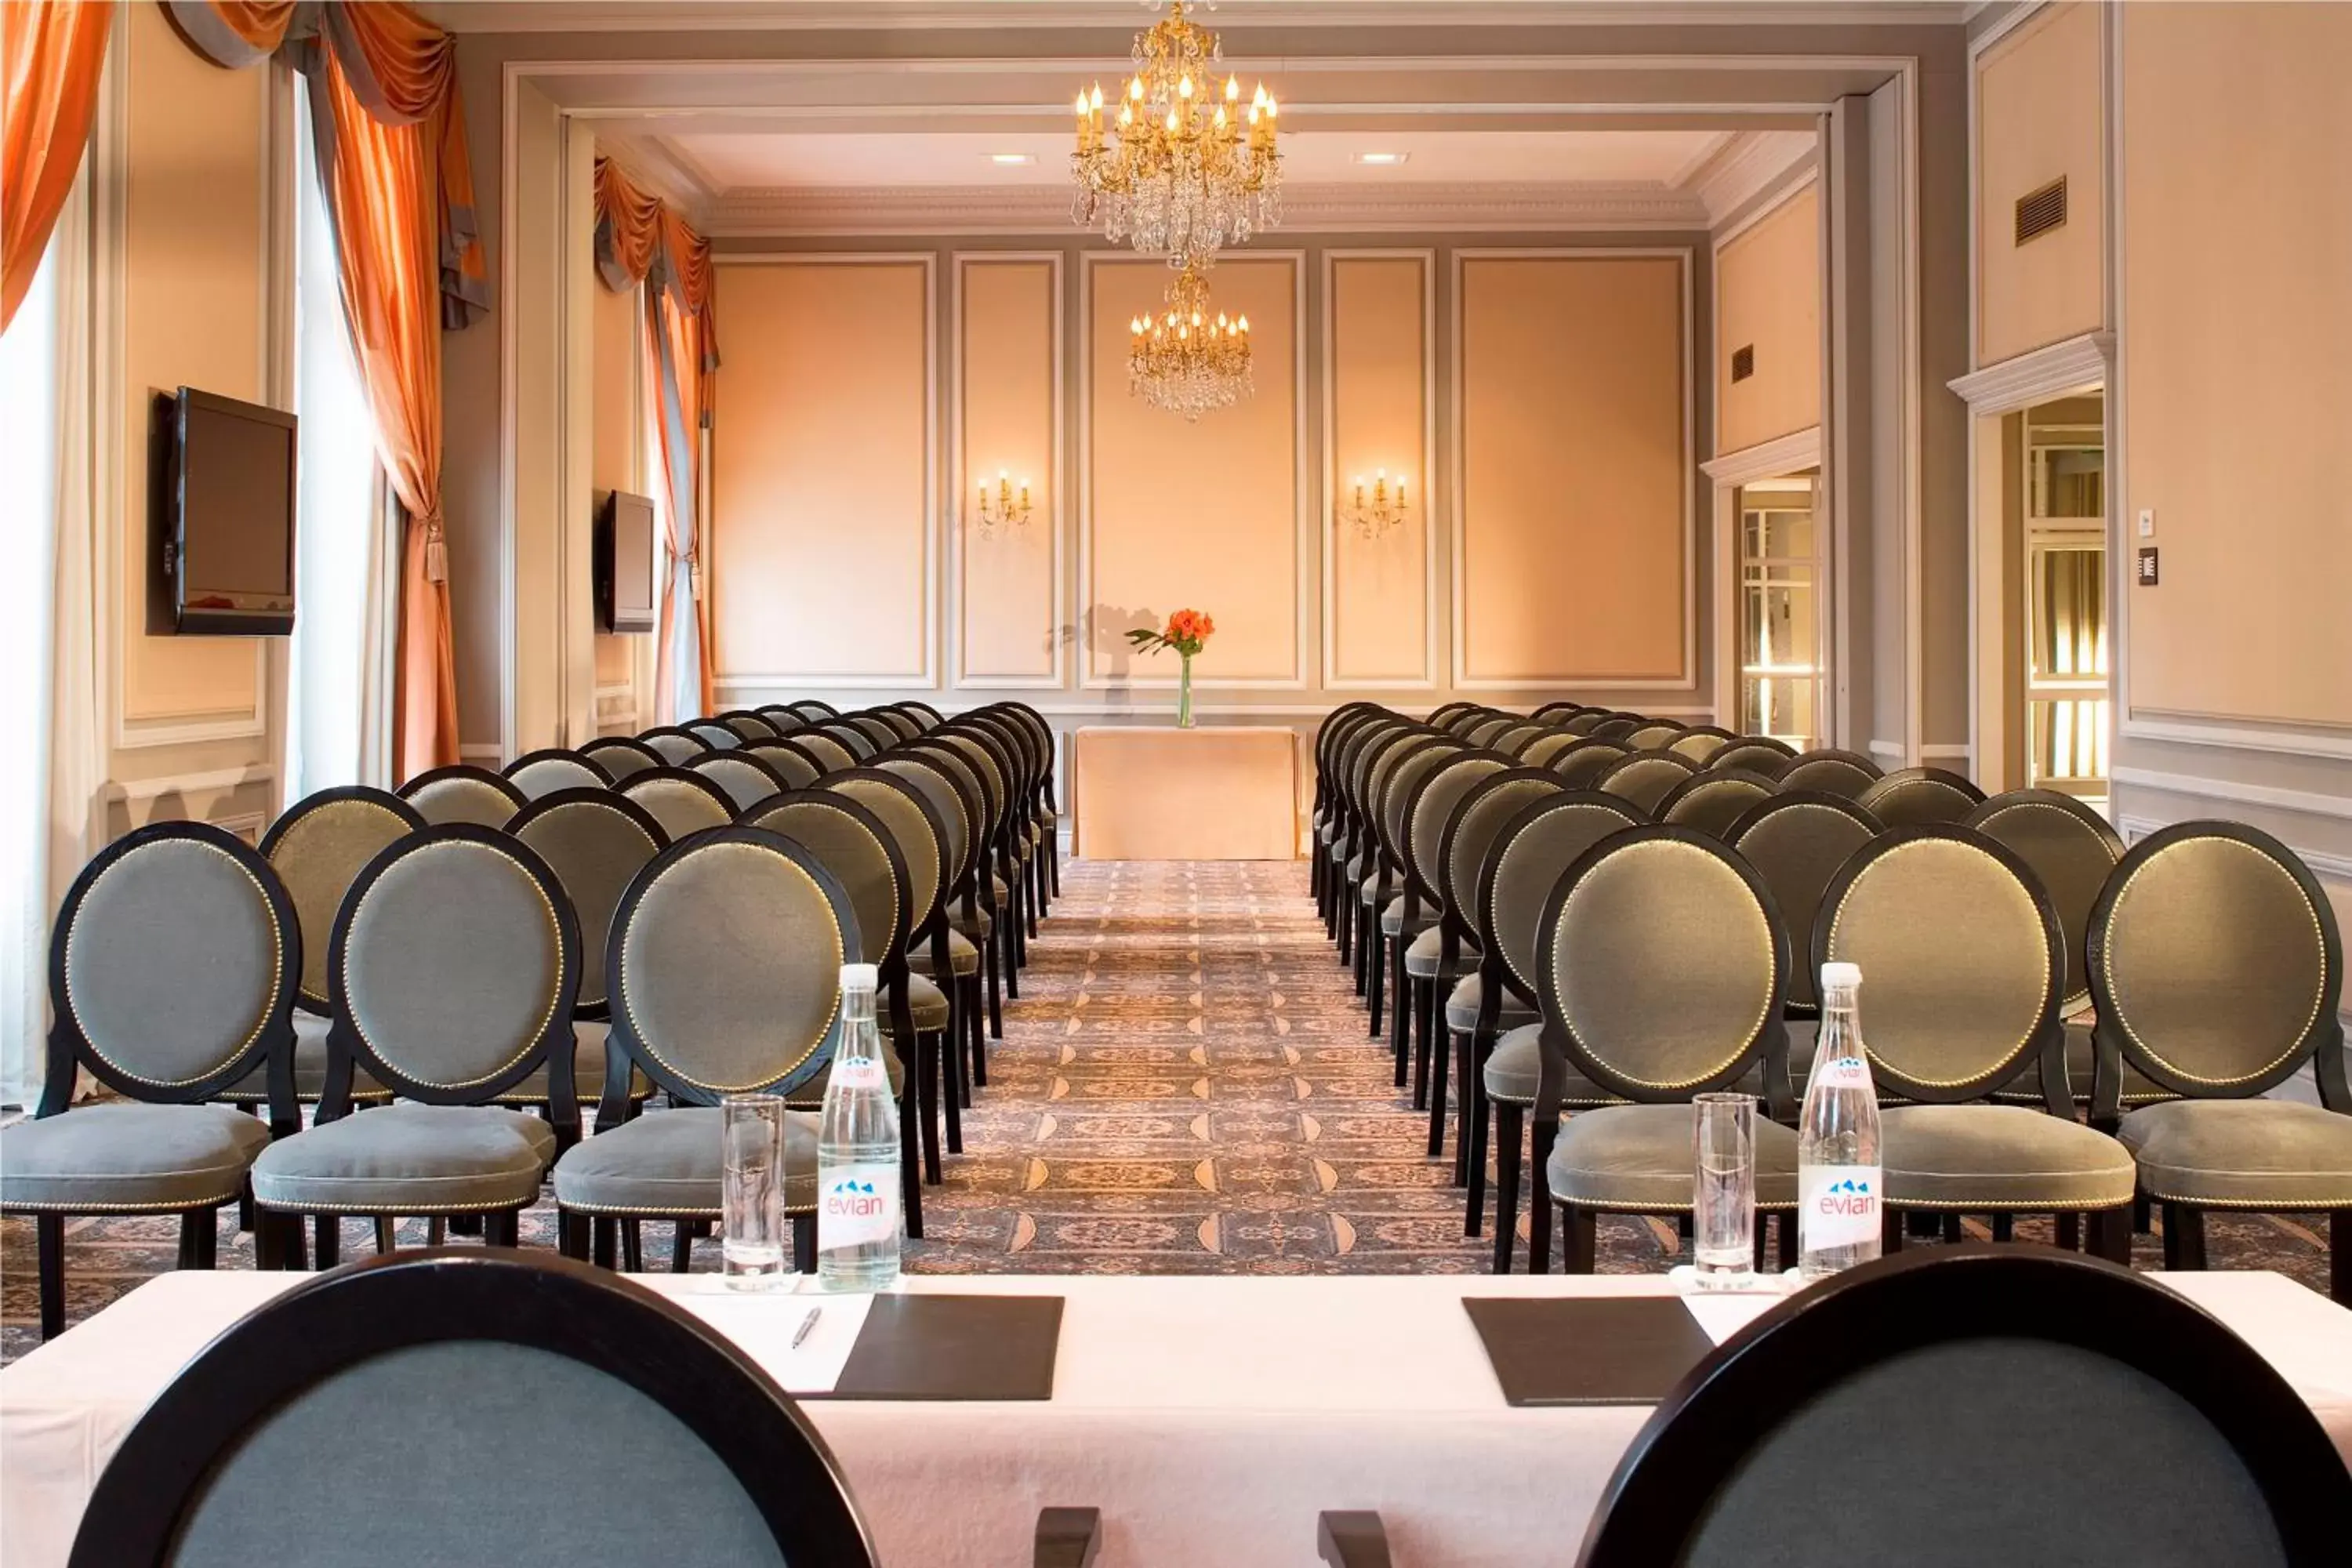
{"x": 806, "y": 1324}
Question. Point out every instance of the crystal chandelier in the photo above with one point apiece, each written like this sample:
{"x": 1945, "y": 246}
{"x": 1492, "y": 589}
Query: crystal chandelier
{"x": 1185, "y": 168}
{"x": 1186, "y": 358}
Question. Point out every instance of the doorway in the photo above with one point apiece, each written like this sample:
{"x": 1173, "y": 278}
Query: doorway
{"x": 1782, "y": 660}
{"x": 2064, "y": 548}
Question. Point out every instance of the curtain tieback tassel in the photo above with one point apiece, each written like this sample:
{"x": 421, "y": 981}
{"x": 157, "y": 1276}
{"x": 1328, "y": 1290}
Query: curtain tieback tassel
{"x": 436, "y": 551}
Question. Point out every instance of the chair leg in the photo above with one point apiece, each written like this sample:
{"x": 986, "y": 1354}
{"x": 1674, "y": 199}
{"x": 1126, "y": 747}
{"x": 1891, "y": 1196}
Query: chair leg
{"x": 967, "y": 992}
{"x": 934, "y": 1049}
{"x": 2005, "y": 1227}
{"x": 910, "y": 1183}
{"x": 1440, "y": 1050}
{"x": 383, "y": 1236}
{"x": 1421, "y": 1033}
{"x": 606, "y": 1233}
{"x": 681, "y": 1247}
{"x": 1785, "y": 1226}
{"x": 2184, "y": 1237}
{"x": 1578, "y": 1236}
{"x": 571, "y": 1234}
{"x": 1893, "y": 1224}
{"x": 49, "y": 1241}
{"x": 1477, "y": 1109}
{"x": 804, "y": 1243}
{"x": 959, "y": 1067}
{"x": 1511, "y": 1131}
{"x": 633, "y": 1245}
{"x": 502, "y": 1229}
{"x": 2069, "y": 1230}
{"x": 1381, "y": 966}
{"x": 926, "y": 1097}
{"x": 993, "y": 960}
{"x": 437, "y": 1230}
{"x": 187, "y": 1254}
{"x": 1465, "y": 1106}
{"x": 1400, "y": 1011}
{"x": 1539, "y": 1204}
{"x": 327, "y": 1240}
{"x": 2111, "y": 1234}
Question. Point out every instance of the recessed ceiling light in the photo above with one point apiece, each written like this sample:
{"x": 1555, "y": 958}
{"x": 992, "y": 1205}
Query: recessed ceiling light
{"x": 1011, "y": 160}
{"x": 1383, "y": 160}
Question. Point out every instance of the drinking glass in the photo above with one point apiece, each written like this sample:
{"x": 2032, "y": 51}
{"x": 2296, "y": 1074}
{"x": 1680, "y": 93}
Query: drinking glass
{"x": 752, "y": 1190}
{"x": 1723, "y": 1214}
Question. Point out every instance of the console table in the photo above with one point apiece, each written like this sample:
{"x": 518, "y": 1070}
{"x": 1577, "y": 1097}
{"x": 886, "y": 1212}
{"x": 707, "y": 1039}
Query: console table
{"x": 1158, "y": 792}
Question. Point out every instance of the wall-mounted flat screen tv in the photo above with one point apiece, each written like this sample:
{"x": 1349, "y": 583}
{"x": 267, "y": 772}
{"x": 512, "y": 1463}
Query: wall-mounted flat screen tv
{"x": 624, "y": 563}
{"x": 226, "y": 516}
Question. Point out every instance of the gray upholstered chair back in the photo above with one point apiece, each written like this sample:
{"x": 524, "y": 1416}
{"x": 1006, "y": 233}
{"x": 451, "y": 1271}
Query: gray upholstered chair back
{"x": 1759, "y": 754}
{"x": 619, "y": 756}
{"x": 782, "y": 719}
{"x": 717, "y": 736}
{"x": 750, "y": 725}
{"x": 595, "y": 841}
{"x": 1832, "y": 772}
{"x": 683, "y": 801}
{"x": 855, "y": 845}
{"x": 947, "y": 809}
{"x": 1653, "y": 737}
{"x": 1700, "y": 744}
{"x": 541, "y": 773}
{"x": 457, "y": 963}
{"x": 1351, "y": 766}
{"x": 825, "y": 747}
{"x": 1461, "y": 724}
{"x": 2070, "y": 851}
{"x": 1483, "y": 733}
{"x": 1663, "y": 964}
{"x": 1430, "y": 815}
{"x": 1796, "y": 841}
{"x": 1544, "y": 748}
{"x": 463, "y": 794}
{"x": 1645, "y": 778}
{"x": 1618, "y": 726}
{"x": 1580, "y": 766}
{"x": 173, "y": 964}
{"x": 1710, "y": 800}
{"x": 1586, "y": 721}
{"x": 984, "y": 766}
{"x": 674, "y": 745}
{"x": 815, "y": 709}
{"x": 1530, "y": 856}
{"x": 745, "y": 775}
{"x": 878, "y": 730}
{"x": 902, "y": 810}
{"x": 1485, "y": 810}
{"x": 725, "y": 965}
{"x": 854, "y": 741}
{"x": 1373, "y": 761}
{"x": 904, "y": 726}
{"x": 1962, "y": 962}
{"x": 1511, "y": 741}
{"x": 318, "y": 849}
{"x": 793, "y": 762}
{"x": 2217, "y": 963}
{"x": 1916, "y": 797}
{"x": 1399, "y": 786}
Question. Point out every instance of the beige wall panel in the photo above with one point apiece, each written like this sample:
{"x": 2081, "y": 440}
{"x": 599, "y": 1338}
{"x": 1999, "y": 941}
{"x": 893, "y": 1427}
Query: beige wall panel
{"x": 1768, "y": 298}
{"x": 1380, "y": 587}
{"x": 619, "y": 360}
{"x": 1204, "y": 515}
{"x": 821, "y": 512}
{"x": 1008, "y": 408}
{"x": 2038, "y": 114}
{"x": 1575, "y": 522}
{"x": 2238, "y": 362}
{"x": 192, "y": 318}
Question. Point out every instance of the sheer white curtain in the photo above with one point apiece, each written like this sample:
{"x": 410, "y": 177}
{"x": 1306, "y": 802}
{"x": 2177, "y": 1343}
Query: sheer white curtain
{"x": 338, "y": 702}
{"x": 48, "y": 644}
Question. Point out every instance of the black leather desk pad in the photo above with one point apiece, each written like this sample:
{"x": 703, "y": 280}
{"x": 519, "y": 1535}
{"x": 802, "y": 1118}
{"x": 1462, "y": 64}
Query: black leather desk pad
{"x": 953, "y": 1347}
{"x": 1588, "y": 1350}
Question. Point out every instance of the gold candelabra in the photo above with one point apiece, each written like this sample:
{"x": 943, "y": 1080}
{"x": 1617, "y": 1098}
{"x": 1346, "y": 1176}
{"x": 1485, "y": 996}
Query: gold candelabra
{"x": 1187, "y": 360}
{"x": 1182, "y": 168}
{"x": 1002, "y": 509}
{"x": 1376, "y": 514}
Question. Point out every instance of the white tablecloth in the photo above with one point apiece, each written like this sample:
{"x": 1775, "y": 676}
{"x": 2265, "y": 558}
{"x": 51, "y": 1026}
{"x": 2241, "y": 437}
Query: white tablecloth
{"x": 1209, "y": 1419}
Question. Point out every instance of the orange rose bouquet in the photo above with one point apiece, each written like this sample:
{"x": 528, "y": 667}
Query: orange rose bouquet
{"x": 1187, "y": 632}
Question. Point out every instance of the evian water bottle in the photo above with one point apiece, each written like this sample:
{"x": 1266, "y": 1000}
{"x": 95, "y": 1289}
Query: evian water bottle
{"x": 858, "y": 1152}
{"x": 1837, "y": 1192}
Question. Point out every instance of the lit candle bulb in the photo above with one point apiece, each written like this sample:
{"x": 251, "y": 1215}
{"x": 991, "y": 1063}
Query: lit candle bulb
{"x": 1184, "y": 87}
{"x": 1096, "y": 101}
{"x": 1135, "y": 88}
{"x": 1233, "y": 88}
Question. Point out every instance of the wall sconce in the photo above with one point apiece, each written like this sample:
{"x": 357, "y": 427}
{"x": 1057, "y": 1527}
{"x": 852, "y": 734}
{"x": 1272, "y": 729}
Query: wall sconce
{"x": 1377, "y": 511}
{"x": 1002, "y": 509}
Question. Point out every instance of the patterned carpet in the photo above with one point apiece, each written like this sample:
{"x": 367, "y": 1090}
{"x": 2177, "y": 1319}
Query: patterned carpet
{"x": 1185, "y": 1086}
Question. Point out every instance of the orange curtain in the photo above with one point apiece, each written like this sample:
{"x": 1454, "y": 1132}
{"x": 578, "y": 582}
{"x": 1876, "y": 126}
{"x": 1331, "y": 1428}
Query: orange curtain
{"x": 628, "y": 227}
{"x": 380, "y": 190}
{"x": 233, "y": 33}
{"x": 52, "y": 52}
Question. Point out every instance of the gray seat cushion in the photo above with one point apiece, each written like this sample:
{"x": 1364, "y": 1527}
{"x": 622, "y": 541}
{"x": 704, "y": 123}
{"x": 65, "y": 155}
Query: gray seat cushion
{"x": 1636, "y": 1158}
{"x": 1514, "y": 1063}
{"x": 1462, "y": 1003}
{"x": 963, "y": 958}
{"x": 667, "y": 1163}
{"x": 309, "y": 1069}
{"x": 975, "y": 930}
{"x": 925, "y": 1001}
{"x": 1368, "y": 888}
{"x": 122, "y": 1157}
{"x": 2139, "y": 1088}
{"x": 2250, "y": 1154}
{"x": 1392, "y": 921}
{"x": 1421, "y": 959}
{"x": 409, "y": 1160}
{"x": 1999, "y": 1157}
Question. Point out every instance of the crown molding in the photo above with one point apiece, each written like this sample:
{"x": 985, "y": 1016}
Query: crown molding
{"x": 2038, "y": 375}
{"x": 893, "y": 15}
{"x": 1745, "y": 166}
{"x": 1325, "y": 209}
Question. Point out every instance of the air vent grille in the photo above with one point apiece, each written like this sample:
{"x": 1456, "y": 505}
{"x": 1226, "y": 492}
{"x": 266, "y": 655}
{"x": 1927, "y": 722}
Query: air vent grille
{"x": 2039, "y": 212}
{"x": 1743, "y": 363}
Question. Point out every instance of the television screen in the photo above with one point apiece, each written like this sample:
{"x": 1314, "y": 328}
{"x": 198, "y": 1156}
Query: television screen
{"x": 624, "y": 563}
{"x": 229, "y": 547}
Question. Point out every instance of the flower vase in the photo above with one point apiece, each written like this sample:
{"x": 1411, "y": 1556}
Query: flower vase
{"x": 1184, "y": 693}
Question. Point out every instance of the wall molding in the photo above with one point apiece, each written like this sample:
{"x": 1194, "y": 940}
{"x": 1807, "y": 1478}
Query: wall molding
{"x": 928, "y": 675}
{"x": 1767, "y": 460}
{"x": 2274, "y": 797}
{"x": 1687, "y": 679}
{"x": 2237, "y": 735}
{"x": 1431, "y": 520}
{"x": 2326, "y": 867}
{"x": 214, "y": 781}
{"x": 1303, "y": 502}
{"x": 955, "y": 518}
{"x": 2075, "y": 365}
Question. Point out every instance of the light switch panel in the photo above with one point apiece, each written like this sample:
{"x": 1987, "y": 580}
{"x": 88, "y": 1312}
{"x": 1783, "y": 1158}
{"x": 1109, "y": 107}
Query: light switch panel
{"x": 2147, "y": 522}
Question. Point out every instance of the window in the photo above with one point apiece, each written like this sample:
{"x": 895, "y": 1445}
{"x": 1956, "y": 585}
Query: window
{"x": 1779, "y": 612}
{"x": 2066, "y": 581}
{"x": 338, "y": 533}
